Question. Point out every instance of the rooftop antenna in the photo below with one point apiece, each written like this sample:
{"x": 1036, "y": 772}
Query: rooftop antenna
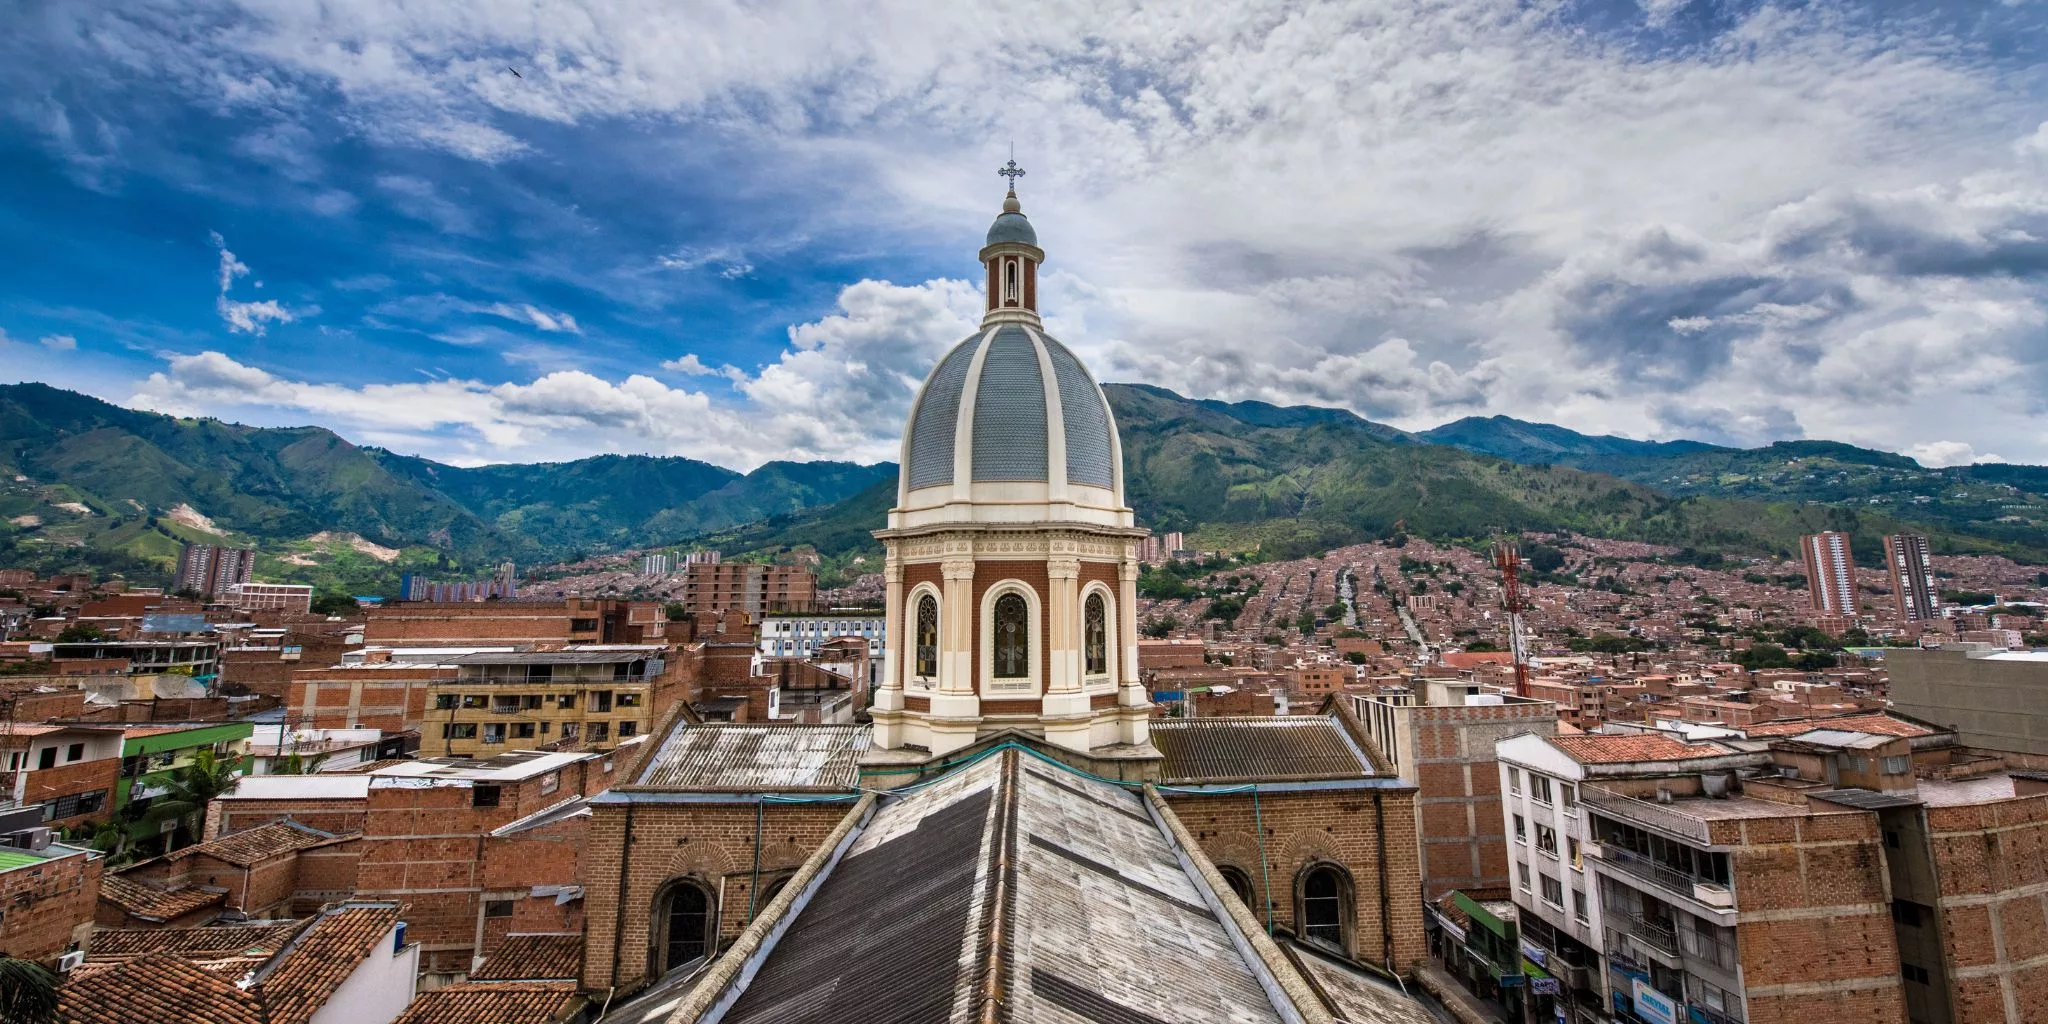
{"x": 1508, "y": 559}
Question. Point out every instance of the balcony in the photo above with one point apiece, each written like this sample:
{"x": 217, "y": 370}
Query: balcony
{"x": 1710, "y": 894}
{"x": 1658, "y": 937}
{"x": 1649, "y": 815}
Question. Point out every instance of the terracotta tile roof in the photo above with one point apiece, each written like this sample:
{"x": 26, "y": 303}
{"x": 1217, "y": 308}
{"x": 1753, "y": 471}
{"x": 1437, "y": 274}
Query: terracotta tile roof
{"x": 145, "y": 903}
{"x": 210, "y": 941}
{"x": 156, "y": 988}
{"x": 322, "y": 958}
{"x": 1876, "y": 725}
{"x": 528, "y": 957}
{"x": 265, "y": 842}
{"x": 1610, "y": 749}
{"x": 499, "y": 1002}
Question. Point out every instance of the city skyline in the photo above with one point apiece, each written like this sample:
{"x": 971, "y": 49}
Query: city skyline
{"x": 1675, "y": 220}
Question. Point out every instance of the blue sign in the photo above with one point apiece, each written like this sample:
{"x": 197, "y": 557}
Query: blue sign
{"x": 1544, "y": 986}
{"x": 1512, "y": 980}
{"x": 1654, "y": 1006}
{"x": 1166, "y": 695}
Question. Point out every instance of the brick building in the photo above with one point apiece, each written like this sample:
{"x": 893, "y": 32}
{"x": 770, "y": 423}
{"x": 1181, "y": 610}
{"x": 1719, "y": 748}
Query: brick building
{"x": 374, "y": 692}
{"x": 49, "y": 895}
{"x": 488, "y": 623}
{"x": 1445, "y": 747}
{"x": 70, "y": 771}
{"x": 275, "y": 870}
{"x": 748, "y": 587}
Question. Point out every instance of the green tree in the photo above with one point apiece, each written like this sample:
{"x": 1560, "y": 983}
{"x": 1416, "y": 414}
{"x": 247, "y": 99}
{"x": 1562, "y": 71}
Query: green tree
{"x": 78, "y": 633}
{"x": 1335, "y": 611}
{"x": 1355, "y": 657}
{"x": 1761, "y": 656}
{"x": 334, "y": 604}
{"x": 28, "y": 993}
{"x": 1481, "y": 647}
{"x": 189, "y": 789}
{"x": 1160, "y": 627}
{"x": 298, "y": 764}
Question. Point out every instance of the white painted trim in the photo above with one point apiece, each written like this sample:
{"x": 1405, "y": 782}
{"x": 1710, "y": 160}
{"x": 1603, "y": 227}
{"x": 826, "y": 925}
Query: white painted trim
{"x": 1103, "y": 680}
{"x": 963, "y": 423}
{"x": 1055, "y": 422}
{"x": 1033, "y": 684}
{"x": 909, "y": 653}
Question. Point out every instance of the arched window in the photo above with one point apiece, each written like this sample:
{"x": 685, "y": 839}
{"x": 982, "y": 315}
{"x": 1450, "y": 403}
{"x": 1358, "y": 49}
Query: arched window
{"x": 1240, "y": 883}
{"x": 1325, "y": 892}
{"x": 689, "y": 924}
{"x": 927, "y": 636}
{"x": 1095, "y": 634}
{"x": 1011, "y": 292}
{"x": 1013, "y": 637}
{"x": 772, "y": 890}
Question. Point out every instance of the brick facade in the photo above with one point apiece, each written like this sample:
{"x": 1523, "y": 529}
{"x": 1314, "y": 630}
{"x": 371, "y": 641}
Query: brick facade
{"x": 1993, "y": 867}
{"x": 50, "y": 906}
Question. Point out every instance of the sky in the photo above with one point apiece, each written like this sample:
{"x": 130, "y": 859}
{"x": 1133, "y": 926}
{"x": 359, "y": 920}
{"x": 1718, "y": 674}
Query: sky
{"x": 497, "y": 231}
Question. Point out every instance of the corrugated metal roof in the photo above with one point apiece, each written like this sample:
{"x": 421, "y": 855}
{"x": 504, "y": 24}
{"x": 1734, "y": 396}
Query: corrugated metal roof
{"x": 556, "y": 657}
{"x": 1258, "y": 749}
{"x": 759, "y": 757}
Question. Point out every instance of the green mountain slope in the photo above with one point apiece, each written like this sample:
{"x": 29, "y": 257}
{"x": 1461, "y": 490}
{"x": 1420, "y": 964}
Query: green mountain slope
{"x": 88, "y": 484}
{"x": 1991, "y": 501}
{"x": 1297, "y": 481}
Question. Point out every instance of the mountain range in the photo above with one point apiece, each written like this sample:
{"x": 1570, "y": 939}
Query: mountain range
{"x": 88, "y": 484}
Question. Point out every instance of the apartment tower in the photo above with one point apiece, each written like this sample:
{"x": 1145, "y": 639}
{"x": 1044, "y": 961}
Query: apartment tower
{"x": 1830, "y": 572}
{"x": 1912, "y": 579}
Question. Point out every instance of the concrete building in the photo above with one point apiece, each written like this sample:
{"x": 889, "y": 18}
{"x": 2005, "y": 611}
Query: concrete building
{"x": 749, "y": 587}
{"x": 271, "y": 597}
{"x": 798, "y": 634}
{"x": 69, "y": 771}
{"x": 1992, "y": 698}
{"x": 582, "y": 697}
{"x": 209, "y": 569}
{"x": 1445, "y": 747}
{"x": 1830, "y": 573}
{"x": 1905, "y": 555}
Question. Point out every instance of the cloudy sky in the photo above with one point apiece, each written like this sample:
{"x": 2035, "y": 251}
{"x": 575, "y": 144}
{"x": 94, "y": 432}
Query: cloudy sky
{"x": 743, "y": 231}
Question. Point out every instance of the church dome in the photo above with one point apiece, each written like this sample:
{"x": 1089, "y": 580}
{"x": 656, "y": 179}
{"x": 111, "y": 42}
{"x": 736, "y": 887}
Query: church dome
{"x": 1017, "y": 429}
{"x": 1011, "y": 225}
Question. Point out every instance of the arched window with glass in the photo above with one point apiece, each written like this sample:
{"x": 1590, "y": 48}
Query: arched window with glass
{"x": 1095, "y": 635}
{"x": 927, "y": 636}
{"x": 1012, "y": 655}
{"x": 687, "y": 921}
{"x": 1324, "y": 895}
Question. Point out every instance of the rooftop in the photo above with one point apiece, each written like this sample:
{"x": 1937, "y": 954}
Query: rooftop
{"x": 160, "y": 987}
{"x": 147, "y": 903}
{"x": 495, "y": 1002}
{"x": 1264, "y": 749}
{"x": 317, "y": 786}
{"x": 507, "y": 767}
{"x": 208, "y": 942}
{"x": 1876, "y": 725}
{"x": 1598, "y": 748}
{"x": 253, "y": 846}
{"x": 758, "y": 757}
{"x": 309, "y": 971}
{"x": 1958, "y": 792}
{"x": 607, "y": 656}
{"x": 534, "y": 957}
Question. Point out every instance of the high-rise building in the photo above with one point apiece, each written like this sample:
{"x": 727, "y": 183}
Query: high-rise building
{"x": 1830, "y": 572}
{"x": 660, "y": 564}
{"x": 209, "y": 569}
{"x": 1912, "y": 578}
{"x": 504, "y": 585}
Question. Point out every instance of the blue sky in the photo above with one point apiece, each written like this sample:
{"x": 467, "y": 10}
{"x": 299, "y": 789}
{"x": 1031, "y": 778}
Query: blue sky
{"x": 744, "y": 232}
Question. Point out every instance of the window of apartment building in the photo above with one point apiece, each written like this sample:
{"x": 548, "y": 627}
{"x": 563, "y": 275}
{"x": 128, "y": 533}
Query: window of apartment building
{"x": 1539, "y": 788}
{"x": 1709, "y": 942}
{"x": 1898, "y": 764}
{"x": 1514, "y": 780}
{"x": 1568, "y": 795}
{"x": 483, "y": 796}
{"x": 582, "y": 625}
{"x": 1546, "y": 839}
{"x": 600, "y": 732}
{"x": 47, "y": 758}
{"x": 1521, "y": 830}
{"x": 472, "y": 700}
{"x": 568, "y": 701}
{"x": 570, "y": 730}
{"x": 75, "y": 804}
{"x": 444, "y": 702}
{"x": 458, "y": 730}
{"x": 499, "y": 908}
{"x": 629, "y": 700}
{"x": 1522, "y": 875}
{"x": 1906, "y": 912}
{"x": 1571, "y": 847}
{"x": 601, "y": 701}
{"x": 523, "y": 730}
{"x": 1714, "y": 997}
{"x": 550, "y": 782}
{"x": 1858, "y": 764}
{"x": 1553, "y": 892}
{"x": 74, "y": 752}
{"x": 494, "y": 732}
{"x": 1579, "y": 905}
{"x": 1913, "y": 973}
{"x": 531, "y": 702}
{"x": 628, "y": 728}
{"x": 544, "y": 727}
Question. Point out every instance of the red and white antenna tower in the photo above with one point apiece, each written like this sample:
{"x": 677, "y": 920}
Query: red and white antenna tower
{"x": 1508, "y": 560}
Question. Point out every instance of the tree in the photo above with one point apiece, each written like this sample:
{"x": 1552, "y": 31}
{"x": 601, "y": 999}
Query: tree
{"x": 1761, "y": 656}
{"x": 28, "y": 993}
{"x": 334, "y": 604}
{"x": 1335, "y": 611}
{"x": 298, "y": 764}
{"x": 191, "y": 788}
{"x": 1159, "y": 628}
{"x": 1355, "y": 657}
{"x": 78, "y": 633}
{"x": 1481, "y": 647}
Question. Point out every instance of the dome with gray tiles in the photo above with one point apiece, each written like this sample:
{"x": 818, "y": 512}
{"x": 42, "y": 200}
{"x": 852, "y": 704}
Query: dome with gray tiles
{"x": 1021, "y": 430}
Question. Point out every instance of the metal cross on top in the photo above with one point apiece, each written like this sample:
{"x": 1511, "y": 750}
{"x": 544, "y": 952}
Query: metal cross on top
{"x": 1012, "y": 172}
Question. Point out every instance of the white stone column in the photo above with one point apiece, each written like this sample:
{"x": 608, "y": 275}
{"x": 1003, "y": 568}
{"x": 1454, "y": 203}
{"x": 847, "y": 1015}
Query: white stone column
{"x": 1062, "y": 625}
{"x": 956, "y": 707}
{"x": 896, "y": 638}
{"x": 1131, "y": 690}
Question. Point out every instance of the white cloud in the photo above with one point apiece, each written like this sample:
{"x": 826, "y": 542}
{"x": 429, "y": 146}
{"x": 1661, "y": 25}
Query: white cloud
{"x": 244, "y": 317}
{"x": 1940, "y": 454}
{"x": 731, "y": 262}
{"x": 536, "y": 317}
{"x": 59, "y": 342}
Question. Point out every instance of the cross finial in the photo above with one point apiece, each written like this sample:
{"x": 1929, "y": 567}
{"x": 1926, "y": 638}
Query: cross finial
{"x": 1012, "y": 172}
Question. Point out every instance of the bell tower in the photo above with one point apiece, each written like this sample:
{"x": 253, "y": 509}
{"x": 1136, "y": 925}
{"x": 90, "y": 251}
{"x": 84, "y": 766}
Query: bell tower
{"x": 1011, "y": 260}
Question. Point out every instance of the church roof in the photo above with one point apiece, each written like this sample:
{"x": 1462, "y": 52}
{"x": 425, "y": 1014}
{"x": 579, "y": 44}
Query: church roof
{"x": 1283, "y": 749}
{"x": 1012, "y": 227}
{"x": 758, "y": 757}
{"x": 997, "y": 376}
{"x": 1065, "y": 888}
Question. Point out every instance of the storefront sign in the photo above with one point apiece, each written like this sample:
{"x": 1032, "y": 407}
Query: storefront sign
{"x": 1543, "y": 986}
{"x": 1537, "y": 954}
{"x": 1654, "y": 1006}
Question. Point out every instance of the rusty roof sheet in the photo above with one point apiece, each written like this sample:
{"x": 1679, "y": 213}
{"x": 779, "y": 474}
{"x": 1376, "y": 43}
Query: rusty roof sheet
{"x": 491, "y": 1002}
{"x": 533, "y": 957}
{"x": 1279, "y": 749}
{"x": 1104, "y": 921}
{"x": 315, "y": 965}
{"x": 156, "y": 988}
{"x": 268, "y": 841}
{"x": 758, "y": 757}
{"x": 147, "y": 903}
